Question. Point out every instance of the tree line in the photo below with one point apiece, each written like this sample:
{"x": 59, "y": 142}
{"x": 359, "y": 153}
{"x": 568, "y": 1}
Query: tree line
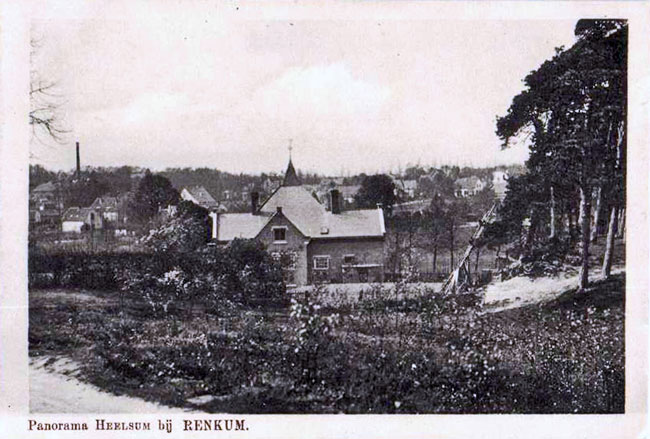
{"x": 573, "y": 112}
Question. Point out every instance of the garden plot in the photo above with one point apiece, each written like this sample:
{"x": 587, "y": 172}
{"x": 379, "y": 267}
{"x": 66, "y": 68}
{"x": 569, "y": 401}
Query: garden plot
{"x": 348, "y": 294}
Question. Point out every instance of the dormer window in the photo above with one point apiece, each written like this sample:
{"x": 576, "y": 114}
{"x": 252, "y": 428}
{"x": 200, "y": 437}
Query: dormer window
{"x": 279, "y": 235}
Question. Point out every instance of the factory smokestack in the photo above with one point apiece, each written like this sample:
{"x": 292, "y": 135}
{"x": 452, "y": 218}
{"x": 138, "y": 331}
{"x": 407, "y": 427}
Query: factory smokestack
{"x": 78, "y": 162}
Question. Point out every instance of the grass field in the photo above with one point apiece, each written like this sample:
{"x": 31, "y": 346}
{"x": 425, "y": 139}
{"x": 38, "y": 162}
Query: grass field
{"x": 403, "y": 350}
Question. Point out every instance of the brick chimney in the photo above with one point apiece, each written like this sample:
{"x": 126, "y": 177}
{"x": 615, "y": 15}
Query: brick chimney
{"x": 335, "y": 201}
{"x": 255, "y": 200}
{"x": 78, "y": 162}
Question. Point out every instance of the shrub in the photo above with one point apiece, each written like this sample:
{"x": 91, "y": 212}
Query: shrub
{"x": 311, "y": 337}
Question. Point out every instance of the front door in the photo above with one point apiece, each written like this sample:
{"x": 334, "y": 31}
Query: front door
{"x": 363, "y": 275}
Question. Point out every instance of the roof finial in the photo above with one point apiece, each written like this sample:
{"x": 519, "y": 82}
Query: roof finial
{"x": 290, "y": 147}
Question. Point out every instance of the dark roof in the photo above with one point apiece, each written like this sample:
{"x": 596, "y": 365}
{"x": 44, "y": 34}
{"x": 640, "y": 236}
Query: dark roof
{"x": 76, "y": 214}
{"x": 290, "y": 177}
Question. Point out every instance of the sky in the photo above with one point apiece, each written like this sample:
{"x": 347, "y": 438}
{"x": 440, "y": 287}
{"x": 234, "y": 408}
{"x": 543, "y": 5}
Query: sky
{"x": 207, "y": 90}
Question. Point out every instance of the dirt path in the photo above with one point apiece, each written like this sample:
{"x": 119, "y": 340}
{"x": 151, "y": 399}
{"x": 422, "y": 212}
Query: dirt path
{"x": 522, "y": 291}
{"x": 54, "y": 388}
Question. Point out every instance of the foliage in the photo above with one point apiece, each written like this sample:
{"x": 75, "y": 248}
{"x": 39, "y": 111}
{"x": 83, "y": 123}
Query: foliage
{"x": 574, "y": 111}
{"x": 376, "y": 189}
{"x": 222, "y": 278}
{"x": 80, "y": 269}
{"x": 312, "y": 335}
{"x": 184, "y": 232}
{"x": 389, "y": 354}
{"x": 154, "y": 192}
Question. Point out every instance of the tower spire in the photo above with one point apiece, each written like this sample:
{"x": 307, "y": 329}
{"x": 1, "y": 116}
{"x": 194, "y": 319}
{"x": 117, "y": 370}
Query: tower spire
{"x": 291, "y": 177}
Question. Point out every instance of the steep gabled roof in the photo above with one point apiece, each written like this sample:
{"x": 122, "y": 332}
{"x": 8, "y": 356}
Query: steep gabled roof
{"x": 105, "y": 203}
{"x": 202, "y": 196}
{"x": 290, "y": 177}
{"x": 308, "y": 215}
{"x": 299, "y": 206}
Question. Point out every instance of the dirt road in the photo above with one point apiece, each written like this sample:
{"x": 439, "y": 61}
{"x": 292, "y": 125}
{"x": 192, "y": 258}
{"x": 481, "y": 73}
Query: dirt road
{"x": 53, "y": 388}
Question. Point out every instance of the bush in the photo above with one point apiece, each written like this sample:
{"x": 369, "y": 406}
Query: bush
{"x": 80, "y": 269}
{"x": 219, "y": 279}
{"x": 545, "y": 259}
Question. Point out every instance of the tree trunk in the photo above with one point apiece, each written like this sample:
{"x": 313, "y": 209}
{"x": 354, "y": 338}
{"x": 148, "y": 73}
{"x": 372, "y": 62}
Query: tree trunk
{"x": 530, "y": 234}
{"x": 609, "y": 249}
{"x": 478, "y": 253}
{"x": 585, "y": 223}
{"x": 570, "y": 218}
{"x": 553, "y": 231}
{"x": 621, "y": 224}
{"x": 398, "y": 256}
{"x": 496, "y": 258}
{"x": 595, "y": 225}
{"x": 435, "y": 260}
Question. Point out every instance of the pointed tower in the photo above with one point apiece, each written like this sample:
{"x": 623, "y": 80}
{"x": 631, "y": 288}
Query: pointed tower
{"x": 290, "y": 177}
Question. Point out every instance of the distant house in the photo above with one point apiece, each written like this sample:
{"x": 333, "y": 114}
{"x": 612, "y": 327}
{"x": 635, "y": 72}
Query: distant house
{"x": 499, "y": 182}
{"x": 45, "y": 212}
{"x": 469, "y": 186}
{"x": 199, "y": 196}
{"x": 332, "y": 181}
{"x": 111, "y": 209}
{"x": 405, "y": 188}
{"x": 348, "y": 193}
{"x": 74, "y": 219}
{"x": 46, "y": 192}
{"x": 270, "y": 184}
{"x": 410, "y": 188}
{"x": 324, "y": 245}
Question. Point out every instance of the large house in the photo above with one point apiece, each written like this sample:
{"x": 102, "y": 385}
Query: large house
{"x": 323, "y": 244}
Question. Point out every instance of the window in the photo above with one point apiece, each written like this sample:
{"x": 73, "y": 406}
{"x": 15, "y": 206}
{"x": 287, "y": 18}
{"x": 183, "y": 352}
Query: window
{"x": 279, "y": 234}
{"x": 293, "y": 259}
{"x": 349, "y": 259}
{"x": 288, "y": 259}
{"x": 321, "y": 262}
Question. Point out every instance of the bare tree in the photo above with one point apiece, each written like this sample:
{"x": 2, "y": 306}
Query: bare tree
{"x": 45, "y": 104}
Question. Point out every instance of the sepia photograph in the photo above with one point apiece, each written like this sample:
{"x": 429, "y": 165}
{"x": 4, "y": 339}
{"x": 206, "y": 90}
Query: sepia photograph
{"x": 278, "y": 221}
{"x": 240, "y": 213}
